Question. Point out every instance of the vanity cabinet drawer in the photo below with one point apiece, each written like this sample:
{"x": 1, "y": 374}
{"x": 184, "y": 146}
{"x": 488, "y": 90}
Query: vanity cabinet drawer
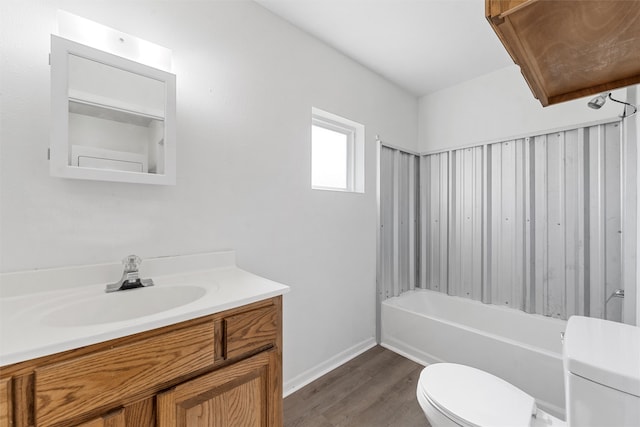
{"x": 106, "y": 378}
{"x": 249, "y": 331}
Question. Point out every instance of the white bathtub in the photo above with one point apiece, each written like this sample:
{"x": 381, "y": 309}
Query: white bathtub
{"x": 523, "y": 349}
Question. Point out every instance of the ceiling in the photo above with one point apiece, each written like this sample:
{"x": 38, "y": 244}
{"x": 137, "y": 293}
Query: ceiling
{"x": 420, "y": 45}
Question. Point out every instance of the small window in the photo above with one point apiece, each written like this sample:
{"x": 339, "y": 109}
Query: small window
{"x": 337, "y": 153}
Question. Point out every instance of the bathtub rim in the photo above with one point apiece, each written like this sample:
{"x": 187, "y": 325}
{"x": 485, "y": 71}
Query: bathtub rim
{"x": 510, "y": 311}
{"x": 424, "y": 358}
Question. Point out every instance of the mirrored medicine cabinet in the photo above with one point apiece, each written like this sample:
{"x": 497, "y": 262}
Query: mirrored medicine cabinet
{"x": 113, "y": 119}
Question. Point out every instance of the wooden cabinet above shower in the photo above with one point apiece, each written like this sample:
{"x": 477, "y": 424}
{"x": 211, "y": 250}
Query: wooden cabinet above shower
{"x": 570, "y": 49}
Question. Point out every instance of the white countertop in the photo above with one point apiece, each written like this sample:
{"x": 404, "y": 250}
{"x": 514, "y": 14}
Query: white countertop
{"x": 26, "y": 333}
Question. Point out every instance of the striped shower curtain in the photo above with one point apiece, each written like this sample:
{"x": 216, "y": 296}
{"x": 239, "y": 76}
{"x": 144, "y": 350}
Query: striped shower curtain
{"x": 545, "y": 224}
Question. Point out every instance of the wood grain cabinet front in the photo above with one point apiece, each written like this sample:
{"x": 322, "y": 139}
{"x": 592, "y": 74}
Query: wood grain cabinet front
{"x": 113, "y": 419}
{"x": 224, "y": 369}
{"x": 107, "y": 377}
{"x": 6, "y": 402}
{"x": 572, "y": 48}
{"x": 137, "y": 414}
{"x": 237, "y": 396}
{"x": 250, "y": 331}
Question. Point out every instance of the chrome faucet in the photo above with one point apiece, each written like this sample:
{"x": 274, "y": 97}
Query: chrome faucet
{"x": 130, "y": 276}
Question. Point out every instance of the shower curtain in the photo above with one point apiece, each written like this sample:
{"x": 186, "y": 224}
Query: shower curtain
{"x": 545, "y": 224}
{"x": 398, "y": 234}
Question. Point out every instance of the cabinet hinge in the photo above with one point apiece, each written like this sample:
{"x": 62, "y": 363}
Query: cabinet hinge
{"x": 48, "y": 153}
{"x": 49, "y": 59}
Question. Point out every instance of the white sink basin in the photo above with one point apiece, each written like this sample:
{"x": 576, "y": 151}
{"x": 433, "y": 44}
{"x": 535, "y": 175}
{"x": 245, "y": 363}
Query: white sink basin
{"x": 44, "y": 312}
{"x": 122, "y": 305}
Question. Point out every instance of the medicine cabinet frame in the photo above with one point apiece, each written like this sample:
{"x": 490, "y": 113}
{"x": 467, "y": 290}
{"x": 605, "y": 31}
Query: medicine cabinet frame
{"x": 60, "y": 155}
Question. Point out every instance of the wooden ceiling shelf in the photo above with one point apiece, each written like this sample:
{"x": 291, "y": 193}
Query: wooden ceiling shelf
{"x": 567, "y": 49}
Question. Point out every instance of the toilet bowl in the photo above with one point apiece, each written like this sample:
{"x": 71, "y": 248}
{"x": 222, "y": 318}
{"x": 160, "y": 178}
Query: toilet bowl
{"x": 602, "y": 385}
{"x": 458, "y": 395}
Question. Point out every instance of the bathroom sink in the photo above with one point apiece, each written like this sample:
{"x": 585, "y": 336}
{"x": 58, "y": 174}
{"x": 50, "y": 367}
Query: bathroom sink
{"x": 122, "y": 305}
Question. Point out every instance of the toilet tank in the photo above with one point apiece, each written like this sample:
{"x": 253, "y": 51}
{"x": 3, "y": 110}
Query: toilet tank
{"x": 602, "y": 373}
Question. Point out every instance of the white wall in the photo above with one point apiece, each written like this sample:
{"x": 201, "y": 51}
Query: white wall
{"x": 495, "y": 107}
{"x": 246, "y": 82}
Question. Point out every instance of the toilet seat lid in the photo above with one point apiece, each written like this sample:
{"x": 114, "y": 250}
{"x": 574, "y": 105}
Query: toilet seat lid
{"x": 472, "y": 397}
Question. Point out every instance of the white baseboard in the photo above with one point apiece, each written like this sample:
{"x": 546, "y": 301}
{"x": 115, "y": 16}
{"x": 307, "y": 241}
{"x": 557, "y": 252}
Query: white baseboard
{"x": 310, "y": 375}
{"x": 409, "y": 352}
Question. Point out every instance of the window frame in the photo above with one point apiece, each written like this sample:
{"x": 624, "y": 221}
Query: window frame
{"x": 355, "y": 149}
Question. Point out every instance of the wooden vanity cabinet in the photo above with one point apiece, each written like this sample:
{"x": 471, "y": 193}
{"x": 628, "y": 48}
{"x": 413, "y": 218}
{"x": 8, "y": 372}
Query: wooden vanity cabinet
{"x": 569, "y": 49}
{"x": 219, "y": 370}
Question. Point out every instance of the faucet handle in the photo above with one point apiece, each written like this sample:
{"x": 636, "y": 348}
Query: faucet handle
{"x": 131, "y": 262}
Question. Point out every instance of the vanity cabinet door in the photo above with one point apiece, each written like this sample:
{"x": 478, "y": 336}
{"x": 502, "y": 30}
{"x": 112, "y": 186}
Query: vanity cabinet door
{"x": 237, "y": 395}
{"x": 112, "y": 419}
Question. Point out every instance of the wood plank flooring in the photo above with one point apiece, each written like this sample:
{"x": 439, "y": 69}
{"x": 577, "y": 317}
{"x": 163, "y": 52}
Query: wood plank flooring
{"x": 375, "y": 389}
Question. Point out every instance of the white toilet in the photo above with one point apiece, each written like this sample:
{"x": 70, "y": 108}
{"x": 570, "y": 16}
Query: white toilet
{"x": 602, "y": 385}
